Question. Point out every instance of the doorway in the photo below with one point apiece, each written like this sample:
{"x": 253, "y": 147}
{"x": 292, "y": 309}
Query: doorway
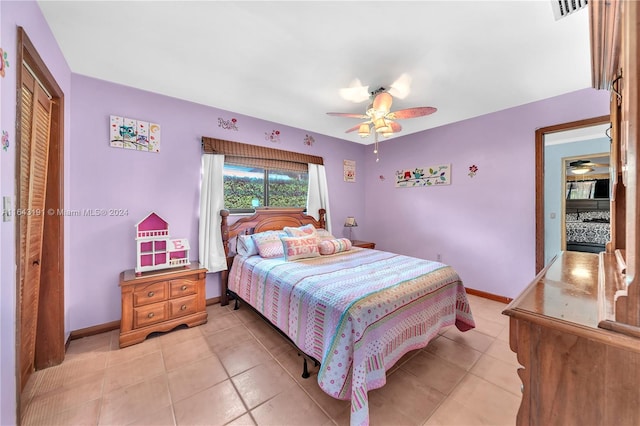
{"x": 40, "y": 232}
{"x": 543, "y": 210}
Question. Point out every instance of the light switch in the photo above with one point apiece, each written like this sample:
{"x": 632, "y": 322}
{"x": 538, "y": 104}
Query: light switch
{"x": 6, "y": 208}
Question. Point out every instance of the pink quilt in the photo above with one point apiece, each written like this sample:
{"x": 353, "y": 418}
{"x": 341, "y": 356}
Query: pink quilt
{"x": 356, "y": 312}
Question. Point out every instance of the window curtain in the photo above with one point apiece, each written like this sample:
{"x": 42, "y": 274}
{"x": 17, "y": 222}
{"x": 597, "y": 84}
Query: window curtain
{"x": 318, "y": 194}
{"x": 210, "y": 249}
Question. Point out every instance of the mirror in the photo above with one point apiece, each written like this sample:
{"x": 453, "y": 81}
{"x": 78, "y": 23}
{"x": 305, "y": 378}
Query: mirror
{"x": 585, "y": 224}
{"x": 554, "y": 144}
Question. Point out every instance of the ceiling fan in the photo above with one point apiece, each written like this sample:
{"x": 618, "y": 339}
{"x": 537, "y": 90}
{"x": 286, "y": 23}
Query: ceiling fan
{"x": 580, "y": 167}
{"x": 378, "y": 115}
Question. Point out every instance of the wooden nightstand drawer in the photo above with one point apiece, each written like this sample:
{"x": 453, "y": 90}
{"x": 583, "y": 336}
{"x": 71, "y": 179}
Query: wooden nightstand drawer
{"x": 183, "y": 306}
{"x": 179, "y": 288}
{"x": 149, "y": 314}
{"x": 151, "y": 293}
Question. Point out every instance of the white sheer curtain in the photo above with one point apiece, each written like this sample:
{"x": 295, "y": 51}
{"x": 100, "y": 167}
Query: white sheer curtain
{"x": 210, "y": 249}
{"x": 318, "y": 196}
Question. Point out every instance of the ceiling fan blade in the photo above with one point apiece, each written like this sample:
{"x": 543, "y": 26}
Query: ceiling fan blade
{"x": 411, "y": 113}
{"x": 347, "y": 114}
{"x": 401, "y": 87}
{"x": 586, "y": 163}
{"x": 356, "y": 92}
{"x": 395, "y": 127}
{"x": 353, "y": 129}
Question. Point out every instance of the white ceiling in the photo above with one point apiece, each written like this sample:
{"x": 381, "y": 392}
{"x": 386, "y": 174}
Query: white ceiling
{"x": 285, "y": 61}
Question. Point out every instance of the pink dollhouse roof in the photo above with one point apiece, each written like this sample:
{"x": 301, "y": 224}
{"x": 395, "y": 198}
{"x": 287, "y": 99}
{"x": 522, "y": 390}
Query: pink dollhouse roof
{"x": 152, "y": 222}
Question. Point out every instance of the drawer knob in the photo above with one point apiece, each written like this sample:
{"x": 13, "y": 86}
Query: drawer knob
{"x": 183, "y": 288}
{"x": 183, "y": 307}
{"x": 151, "y": 293}
{"x": 151, "y": 314}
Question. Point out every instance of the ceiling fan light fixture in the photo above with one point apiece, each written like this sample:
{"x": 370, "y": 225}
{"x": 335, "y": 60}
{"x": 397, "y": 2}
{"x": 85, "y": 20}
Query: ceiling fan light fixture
{"x": 363, "y": 131}
{"x": 381, "y": 125}
{"x": 581, "y": 170}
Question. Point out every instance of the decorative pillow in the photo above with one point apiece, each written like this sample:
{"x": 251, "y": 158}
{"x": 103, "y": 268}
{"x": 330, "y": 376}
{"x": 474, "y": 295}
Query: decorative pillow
{"x": 337, "y": 245}
{"x": 245, "y": 246}
{"x": 299, "y": 247}
{"x": 323, "y": 234}
{"x": 269, "y": 244}
{"x": 301, "y": 231}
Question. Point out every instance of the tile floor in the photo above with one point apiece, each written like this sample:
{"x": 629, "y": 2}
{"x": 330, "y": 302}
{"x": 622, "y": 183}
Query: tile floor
{"x": 235, "y": 370}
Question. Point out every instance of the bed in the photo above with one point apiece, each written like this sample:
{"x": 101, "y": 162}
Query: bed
{"x": 587, "y": 225}
{"x": 355, "y": 311}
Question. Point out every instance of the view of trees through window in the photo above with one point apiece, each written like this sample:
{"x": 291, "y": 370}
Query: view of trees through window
{"x": 245, "y": 188}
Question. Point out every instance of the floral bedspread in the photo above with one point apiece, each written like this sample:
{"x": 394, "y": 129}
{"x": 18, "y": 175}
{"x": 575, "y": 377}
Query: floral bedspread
{"x": 356, "y": 312}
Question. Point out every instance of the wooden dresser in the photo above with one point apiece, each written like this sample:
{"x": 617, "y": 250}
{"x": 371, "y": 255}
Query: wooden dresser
{"x": 576, "y": 327}
{"x": 161, "y": 301}
{"x": 573, "y": 372}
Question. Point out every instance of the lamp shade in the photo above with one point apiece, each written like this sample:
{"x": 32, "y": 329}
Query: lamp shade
{"x": 381, "y": 125}
{"x": 350, "y": 222}
{"x": 363, "y": 130}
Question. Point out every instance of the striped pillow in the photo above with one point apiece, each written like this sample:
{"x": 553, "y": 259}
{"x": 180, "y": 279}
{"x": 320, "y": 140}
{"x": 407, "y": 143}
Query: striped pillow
{"x": 269, "y": 244}
{"x": 334, "y": 246}
{"x": 295, "y": 248}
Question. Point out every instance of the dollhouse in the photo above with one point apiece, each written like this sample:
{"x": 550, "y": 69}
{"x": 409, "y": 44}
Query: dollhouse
{"x": 155, "y": 250}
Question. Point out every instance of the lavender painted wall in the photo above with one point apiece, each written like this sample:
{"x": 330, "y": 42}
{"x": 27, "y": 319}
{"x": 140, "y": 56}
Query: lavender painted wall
{"x": 103, "y": 177}
{"x": 27, "y": 15}
{"x": 483, "y": 226}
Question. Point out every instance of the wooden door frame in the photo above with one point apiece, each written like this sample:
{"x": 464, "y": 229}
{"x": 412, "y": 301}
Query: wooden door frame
{"x": 603, "y": 119}
{"x": 50, "y": 343}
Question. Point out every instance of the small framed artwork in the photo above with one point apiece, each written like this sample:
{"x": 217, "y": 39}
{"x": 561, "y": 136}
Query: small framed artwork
{"x": 424, "y": 176}
{"x": 349, "y": 170}
{"x": 137, "y": 135}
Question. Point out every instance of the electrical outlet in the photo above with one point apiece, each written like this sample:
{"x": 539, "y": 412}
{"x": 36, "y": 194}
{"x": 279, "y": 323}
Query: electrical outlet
{"x": 439, "y": 257}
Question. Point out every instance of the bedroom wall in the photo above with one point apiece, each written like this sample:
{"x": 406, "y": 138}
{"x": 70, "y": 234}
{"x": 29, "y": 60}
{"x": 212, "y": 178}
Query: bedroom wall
{"x": 484, "y": 226}
{"x": 103, "y": 177}
{"x": 27, "y": 15}
{"x": 554, "y": 190}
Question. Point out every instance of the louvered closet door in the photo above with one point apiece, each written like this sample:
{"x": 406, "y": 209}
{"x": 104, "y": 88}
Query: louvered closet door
{"x": 35, "y": 127}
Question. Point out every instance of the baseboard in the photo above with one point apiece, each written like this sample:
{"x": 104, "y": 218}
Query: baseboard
{"x": 213, "y": 300}
{"x": 110, "y": 326}
{"x": 489, "y": 296}
{"x": 96, "y": 329}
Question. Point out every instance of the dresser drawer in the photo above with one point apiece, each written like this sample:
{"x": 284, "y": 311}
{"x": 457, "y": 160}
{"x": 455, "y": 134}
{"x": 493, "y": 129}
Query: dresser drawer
{"x": 183, "y": 306}
{"x": 149, "y": 314}
{"x": 179, "y": 288}
{"x": 150, "y": 293}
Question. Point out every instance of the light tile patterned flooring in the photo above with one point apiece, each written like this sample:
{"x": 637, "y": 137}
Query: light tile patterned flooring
{"x": 235, "y": 370}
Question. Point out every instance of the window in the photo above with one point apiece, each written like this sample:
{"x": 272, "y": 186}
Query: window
{"x": 258, "y": 176}
{"x": 247, "y": 187}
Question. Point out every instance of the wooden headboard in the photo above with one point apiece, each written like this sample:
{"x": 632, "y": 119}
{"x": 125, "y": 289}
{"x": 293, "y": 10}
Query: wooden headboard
{"x": 264, "y": 219}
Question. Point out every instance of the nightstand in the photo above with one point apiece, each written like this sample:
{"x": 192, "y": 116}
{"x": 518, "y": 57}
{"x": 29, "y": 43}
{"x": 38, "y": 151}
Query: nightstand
{"x": 363, "y": 244}
{"x": 160, "y": 301}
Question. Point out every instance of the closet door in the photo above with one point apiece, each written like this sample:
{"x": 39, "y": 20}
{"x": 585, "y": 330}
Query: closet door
{"x": 35, "y": 126}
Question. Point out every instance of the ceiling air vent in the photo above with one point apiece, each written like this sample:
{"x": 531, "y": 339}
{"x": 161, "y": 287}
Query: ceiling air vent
{"x": 562, "y": 8}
